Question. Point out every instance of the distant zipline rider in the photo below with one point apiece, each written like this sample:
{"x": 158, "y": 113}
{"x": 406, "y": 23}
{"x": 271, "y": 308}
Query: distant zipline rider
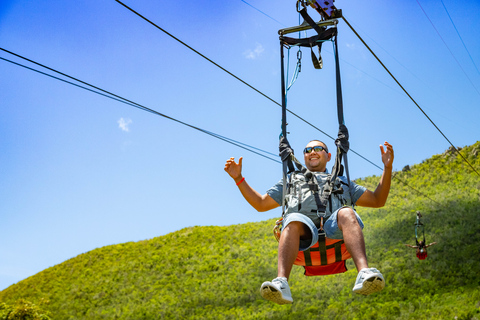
{"x": 320, "y": 228}
{"x": 421, "y": 245}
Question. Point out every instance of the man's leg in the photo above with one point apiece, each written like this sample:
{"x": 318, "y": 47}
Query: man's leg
{"x": 353, "y": 237}
{"x": 278, "y": 290}
{"x": 288, "y": 246}
{"x": 369, "y": 280}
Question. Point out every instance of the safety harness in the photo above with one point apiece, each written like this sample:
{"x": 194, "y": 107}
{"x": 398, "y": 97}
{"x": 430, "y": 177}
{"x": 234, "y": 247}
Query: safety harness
{"x": 327, "y": 256}
{"x": 420, "y": 231}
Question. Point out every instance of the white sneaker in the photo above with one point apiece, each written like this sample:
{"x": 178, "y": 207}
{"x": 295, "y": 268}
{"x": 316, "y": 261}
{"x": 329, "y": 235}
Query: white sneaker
{"x": 369, "y": 280}
{"x": 277, "y": 291}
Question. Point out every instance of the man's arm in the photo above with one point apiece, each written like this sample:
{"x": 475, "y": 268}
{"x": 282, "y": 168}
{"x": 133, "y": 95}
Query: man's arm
{"x": 431, "y": 244}
{"x": 378, "y": 198}
{"x": 256, "y": 200}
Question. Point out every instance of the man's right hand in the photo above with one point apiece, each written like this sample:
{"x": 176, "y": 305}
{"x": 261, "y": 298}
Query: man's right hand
{"x": 259, "y": 202}
{"x": 234, "y": 169}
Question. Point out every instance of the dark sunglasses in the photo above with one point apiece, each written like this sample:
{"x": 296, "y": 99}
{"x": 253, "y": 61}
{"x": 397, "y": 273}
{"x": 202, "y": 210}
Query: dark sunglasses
{"x": 316, "y": 149}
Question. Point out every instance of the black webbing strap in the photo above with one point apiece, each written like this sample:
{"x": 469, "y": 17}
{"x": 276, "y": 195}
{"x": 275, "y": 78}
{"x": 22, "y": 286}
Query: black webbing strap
{"x": 322, "y": 249}
{"x": 338, "y": 250}
{"x": 307, "y": 257}
{"x": 342, "y": 140}
{"x": 309, "y": 20}
{"x": 288, "y": 159}
{"x": 341, "y": 119}
{"x": 317, "y": 62}
{"x": 323, "y": 34}
{"x": 286, "y": 152}
{"x": 313, "y": 186}
{"x": 419, "y": 227}
{"x": 311, "y": 42}
{"x": 290, "y": 164}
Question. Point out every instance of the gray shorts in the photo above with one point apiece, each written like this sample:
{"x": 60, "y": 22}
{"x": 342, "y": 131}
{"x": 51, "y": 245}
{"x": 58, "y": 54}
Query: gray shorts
{"x": 330, "y": 226}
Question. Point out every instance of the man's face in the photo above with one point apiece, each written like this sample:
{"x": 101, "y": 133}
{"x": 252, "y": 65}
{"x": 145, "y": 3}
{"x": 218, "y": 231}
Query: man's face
{"x": 316, "y": 160}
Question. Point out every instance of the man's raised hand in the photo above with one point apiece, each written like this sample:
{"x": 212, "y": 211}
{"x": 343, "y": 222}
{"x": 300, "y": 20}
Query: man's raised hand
{"x": 234, "y": 169}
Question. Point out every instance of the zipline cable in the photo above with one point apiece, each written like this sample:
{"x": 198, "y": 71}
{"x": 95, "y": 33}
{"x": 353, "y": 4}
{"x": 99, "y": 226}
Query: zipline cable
{"x": 262, "y": 12}
{"x": 399, "y": 86}
{"x": 197, "y": 52}
{"x": 458, "y": 33}
{"x": 413, "y": 100}
{"x": 448, "y": 48}
{"x": 344, "y": 61}
{"x": 239, "y": 79}
{"x": 403, "y": 182}
{"x": 118, "y": 98}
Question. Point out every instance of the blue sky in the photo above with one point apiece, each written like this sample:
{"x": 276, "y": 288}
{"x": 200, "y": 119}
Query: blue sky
{"x": 80, "y": 171}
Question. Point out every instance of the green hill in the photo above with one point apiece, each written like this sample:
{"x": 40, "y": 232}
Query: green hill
{"x": 216, "y": 272}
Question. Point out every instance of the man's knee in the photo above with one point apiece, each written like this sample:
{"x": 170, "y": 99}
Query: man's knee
{"x": 297, "y": 228}
{"x": 346, "y": 216}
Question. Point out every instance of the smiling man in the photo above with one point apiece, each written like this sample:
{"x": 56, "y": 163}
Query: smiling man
{"x": 301, "y": 221}
{"x": 315, "y": 159}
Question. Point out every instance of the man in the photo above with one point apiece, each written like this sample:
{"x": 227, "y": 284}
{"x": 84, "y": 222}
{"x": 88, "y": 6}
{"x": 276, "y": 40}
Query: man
{"x": 300, "y": 229}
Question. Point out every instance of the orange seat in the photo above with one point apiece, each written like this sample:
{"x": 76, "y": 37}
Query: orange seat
{"x": 327, "y": 256}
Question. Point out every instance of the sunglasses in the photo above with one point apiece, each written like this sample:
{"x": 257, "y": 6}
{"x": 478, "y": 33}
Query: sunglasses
{"x": 316, "y": 149}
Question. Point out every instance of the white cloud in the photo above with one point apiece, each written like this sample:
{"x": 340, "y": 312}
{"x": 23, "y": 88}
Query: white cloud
{"x": 255, "y": 53}
{"x": 123, "y": 124}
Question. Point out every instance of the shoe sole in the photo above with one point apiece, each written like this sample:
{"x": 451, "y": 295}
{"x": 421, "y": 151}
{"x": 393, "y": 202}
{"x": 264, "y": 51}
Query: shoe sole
{"x": 371, "y": 285}
{"x": 272, "y": 294}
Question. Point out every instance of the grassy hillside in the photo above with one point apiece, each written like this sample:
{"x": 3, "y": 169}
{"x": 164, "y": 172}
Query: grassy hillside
{"x": 216, "y": 272}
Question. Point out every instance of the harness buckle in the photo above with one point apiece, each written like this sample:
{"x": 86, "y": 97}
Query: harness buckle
{"x": 277, "y": 229}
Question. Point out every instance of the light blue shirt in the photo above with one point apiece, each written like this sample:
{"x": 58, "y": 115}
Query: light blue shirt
{"x": 301, "y": 194}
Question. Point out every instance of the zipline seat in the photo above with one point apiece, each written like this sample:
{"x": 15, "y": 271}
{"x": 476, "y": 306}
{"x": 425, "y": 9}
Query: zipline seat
{"x": 327, "y": 256}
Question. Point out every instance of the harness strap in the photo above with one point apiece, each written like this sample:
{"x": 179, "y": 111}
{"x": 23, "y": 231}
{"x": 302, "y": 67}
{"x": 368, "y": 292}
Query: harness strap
{"x": 291, "y": 164}
{"x": 419, "y": 228}
{"x": 286, "y": 152}
{"x": 322, "y": 250}
{"x": 310, "y": 21}
{"x": 323, "y": 34}
{"x": 419, "y": 225}
{"x": 313, "y": 186}
{"x": 342, "y": 140}
{"x": 317, "y": 62}
{"x": 338, "y": 250}
{"x": 311, "y": 41}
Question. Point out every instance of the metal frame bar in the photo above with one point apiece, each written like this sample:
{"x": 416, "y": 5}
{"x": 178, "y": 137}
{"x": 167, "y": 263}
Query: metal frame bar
{"x": 303, "y": 27}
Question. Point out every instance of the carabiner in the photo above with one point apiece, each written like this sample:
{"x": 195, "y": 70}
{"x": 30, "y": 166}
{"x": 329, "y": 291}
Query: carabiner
{"x": 298, "y": 7}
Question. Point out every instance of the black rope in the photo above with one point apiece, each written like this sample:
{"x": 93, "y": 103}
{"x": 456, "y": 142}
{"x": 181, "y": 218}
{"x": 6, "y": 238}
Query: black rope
{"x": 239, "y": 79}
{"x": 118, "y": 98}
{"x": 448, "y": 48}
{"x": 388, "y": 71}
{"x": 133, "y": 104}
